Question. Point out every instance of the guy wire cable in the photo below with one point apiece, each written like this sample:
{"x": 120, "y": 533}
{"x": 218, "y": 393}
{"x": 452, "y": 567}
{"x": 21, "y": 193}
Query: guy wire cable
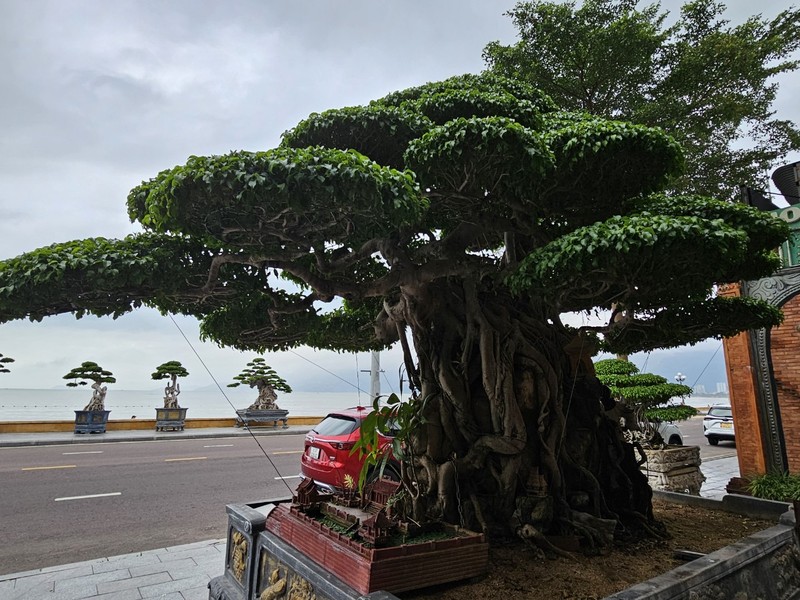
{"x": 264, "y": 452}
{"x": 357, "y": 386}
{"x": 708, "y": 363}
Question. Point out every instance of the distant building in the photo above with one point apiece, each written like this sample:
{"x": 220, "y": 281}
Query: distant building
{"x": 699, "y": 390}
{"x": 722, "y": 387}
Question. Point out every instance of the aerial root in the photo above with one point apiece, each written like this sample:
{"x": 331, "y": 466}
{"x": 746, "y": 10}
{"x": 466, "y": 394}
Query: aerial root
{"x": 537, "y": 539}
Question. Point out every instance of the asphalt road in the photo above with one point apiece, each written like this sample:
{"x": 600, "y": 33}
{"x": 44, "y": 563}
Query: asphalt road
{"x": 62, "y": 504}
{"x": 692, "y": 432}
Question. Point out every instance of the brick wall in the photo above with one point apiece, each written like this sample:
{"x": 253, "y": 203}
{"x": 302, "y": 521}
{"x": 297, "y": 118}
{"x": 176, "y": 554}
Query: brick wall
{"x": 785, "y": 353}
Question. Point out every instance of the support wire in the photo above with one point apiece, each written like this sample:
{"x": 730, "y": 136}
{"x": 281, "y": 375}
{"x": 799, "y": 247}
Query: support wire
{"x": 255, "y": 439}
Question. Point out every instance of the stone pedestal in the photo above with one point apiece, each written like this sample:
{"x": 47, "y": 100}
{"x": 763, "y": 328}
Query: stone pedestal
{"x": 674, "y": 469}
{"x": 248, "y": 417}
{"x": 91, "y": 421}
{"x": 170, "y": 418}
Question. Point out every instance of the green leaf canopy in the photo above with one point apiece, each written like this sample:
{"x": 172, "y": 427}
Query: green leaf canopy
{"x": 476, "y": 177}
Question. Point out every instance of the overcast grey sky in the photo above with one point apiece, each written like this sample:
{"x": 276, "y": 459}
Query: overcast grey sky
{"x": 99, "y": 95}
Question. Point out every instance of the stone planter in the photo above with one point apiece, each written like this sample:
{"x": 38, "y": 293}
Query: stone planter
{"x": 674, "y": 469}
{"x": 295, "y": 555}
{"x": 170, "y": 418}
{"x": 91, "y": 421}
{"x": 248, "y": 417}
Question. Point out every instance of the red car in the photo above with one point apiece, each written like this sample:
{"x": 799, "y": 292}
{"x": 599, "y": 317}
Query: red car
{"x": 326, "y": 457}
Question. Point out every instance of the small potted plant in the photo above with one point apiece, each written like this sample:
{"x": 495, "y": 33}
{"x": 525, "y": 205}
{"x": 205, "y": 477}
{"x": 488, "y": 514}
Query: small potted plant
{"x": 94, "y": 417}
{"x": 4, "y": 360}
{"x": 259, "y": 374}
{"x": 171, "y": 416}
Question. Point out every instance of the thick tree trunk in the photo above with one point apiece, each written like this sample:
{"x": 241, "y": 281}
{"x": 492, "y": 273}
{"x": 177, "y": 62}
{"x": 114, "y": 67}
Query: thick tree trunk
{"x": 516, "y": 439}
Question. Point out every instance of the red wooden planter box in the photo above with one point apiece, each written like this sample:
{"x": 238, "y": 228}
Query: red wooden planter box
{"x": 392, "y": 569}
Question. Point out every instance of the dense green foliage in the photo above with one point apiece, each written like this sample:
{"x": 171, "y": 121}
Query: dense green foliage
{"x": 171, "y": 369}
{"x": 554, "y": 189}
{"x": 650, "y": 396}
{"x": 258, "y": 373}
{"x": 775, "y": 486}
{"x": 4, "y": 360}
{"x": 89, "y": 371}
{"x": 706, "y": 82}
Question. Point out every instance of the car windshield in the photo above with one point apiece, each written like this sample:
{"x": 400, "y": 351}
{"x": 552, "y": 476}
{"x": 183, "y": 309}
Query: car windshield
{"x": 720, "y": 411}
{"x": 336, "y": 425}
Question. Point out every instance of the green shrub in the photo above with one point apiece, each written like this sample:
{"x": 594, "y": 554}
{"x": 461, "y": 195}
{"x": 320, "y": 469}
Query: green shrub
{"x": 775, "y": 486}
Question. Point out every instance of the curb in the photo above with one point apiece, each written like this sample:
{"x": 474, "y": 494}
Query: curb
{"x": 88, "y": 438}
{"x": 756, "y": 508}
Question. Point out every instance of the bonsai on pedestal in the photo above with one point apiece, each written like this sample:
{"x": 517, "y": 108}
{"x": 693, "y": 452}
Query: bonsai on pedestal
{"x": 645, "y": 401}
{"x": 94, "y": 417}
{"x": 259, "y": 374}
{"x": 171, "y": 415}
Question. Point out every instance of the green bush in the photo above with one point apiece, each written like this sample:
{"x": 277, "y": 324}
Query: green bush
{"x": 775, "y": 486}
{"x": 677, "y": 412}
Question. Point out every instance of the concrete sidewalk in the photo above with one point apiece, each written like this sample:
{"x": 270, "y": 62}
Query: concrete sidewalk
{"x": 146, "y": 435}
{"x": 180, "y": 572}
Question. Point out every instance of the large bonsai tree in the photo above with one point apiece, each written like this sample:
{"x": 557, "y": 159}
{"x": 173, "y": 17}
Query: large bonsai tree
{"x": 4, "y": 360}
{"x": 260, "y": 375}
{"x": 170, "y": 370}
{"x": 459, "y": 219}
{"x": 91, "y": 371}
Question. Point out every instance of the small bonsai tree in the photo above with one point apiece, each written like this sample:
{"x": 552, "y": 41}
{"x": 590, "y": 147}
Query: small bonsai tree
{"x": 171, "y": 370}
{"x": 91, "y": 371}
{"x": 259, "y": 374}
{"x": 649, "y": 397}
{"x": 4, "y": 360}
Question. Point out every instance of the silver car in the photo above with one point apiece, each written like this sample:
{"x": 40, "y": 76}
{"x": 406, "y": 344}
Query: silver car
{"x": 718, "y": 424}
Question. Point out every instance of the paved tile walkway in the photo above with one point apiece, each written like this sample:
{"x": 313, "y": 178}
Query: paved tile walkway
{"x": 177, "y": 573}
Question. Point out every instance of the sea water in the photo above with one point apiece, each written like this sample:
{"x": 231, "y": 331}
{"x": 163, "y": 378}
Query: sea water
{"x": 61, "y": 404}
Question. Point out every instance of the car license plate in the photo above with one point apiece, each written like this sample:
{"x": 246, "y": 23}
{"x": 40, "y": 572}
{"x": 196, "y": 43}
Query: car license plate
{"x": 726, "y": 425}
{"x": 313, "y": 452}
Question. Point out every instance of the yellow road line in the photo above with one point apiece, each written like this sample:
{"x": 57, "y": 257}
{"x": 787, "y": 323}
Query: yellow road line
{"x": 289, "y": 452}
{"x": 46, "y": 468}
{"x": 187, "y": 458}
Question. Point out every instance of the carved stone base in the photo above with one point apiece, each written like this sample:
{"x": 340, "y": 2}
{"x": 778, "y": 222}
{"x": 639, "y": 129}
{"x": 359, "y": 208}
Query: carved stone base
{"x": 674, "y": 469}
{"x": 249, "y": 417}
{"x": 91, "y": 421}
{"x": 170, "y": 418}
{"x": 259, "y": 565}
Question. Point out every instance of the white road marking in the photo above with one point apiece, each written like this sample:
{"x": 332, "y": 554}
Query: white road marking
{"x": 219, "y": 446}
{"x": 46, "y": 468}
{"x": 89, "y": 496}
{"x": 87, "y": 452}
{"x": 290, "y": 477}
{"x": 187, "y": 458}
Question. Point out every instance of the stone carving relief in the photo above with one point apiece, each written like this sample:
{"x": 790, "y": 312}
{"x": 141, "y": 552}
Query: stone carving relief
{"x": 275, "y": 588}
{"x": 238, "y": 561}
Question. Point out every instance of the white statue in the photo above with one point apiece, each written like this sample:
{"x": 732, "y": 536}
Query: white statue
{"x": 98, "y": 397}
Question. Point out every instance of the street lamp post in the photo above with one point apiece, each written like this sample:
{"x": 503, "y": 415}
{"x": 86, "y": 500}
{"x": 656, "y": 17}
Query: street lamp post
{"x": 680, "y": 378}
